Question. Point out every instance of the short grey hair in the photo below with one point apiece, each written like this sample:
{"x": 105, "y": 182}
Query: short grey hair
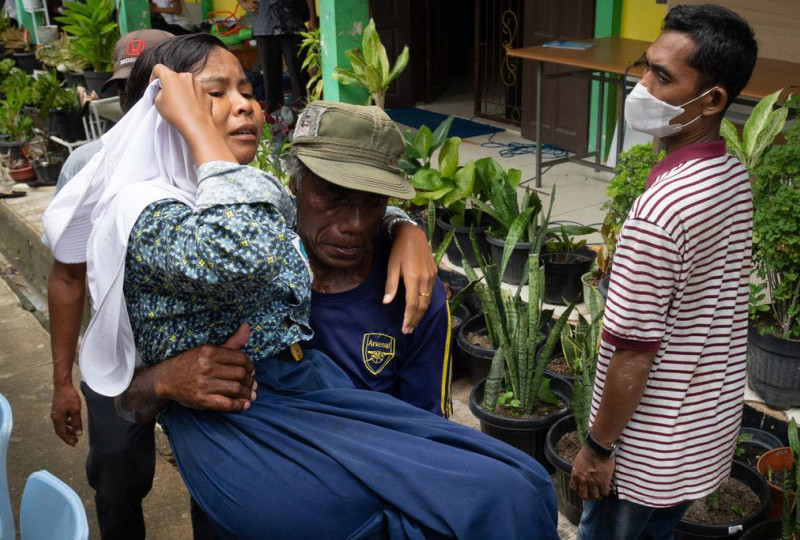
{"x": 295, "y": 168}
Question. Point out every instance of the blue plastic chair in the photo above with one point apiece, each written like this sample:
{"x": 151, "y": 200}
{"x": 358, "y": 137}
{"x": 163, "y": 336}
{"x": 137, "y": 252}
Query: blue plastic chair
{"x": 51, "y": 510}
{"x": 6, "y": 513}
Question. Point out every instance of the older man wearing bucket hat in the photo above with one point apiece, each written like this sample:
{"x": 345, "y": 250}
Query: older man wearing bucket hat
{"x": 343, "y": 169}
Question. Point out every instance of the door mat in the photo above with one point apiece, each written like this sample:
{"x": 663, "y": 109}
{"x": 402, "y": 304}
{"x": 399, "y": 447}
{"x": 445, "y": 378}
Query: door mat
{"x": 416, "y": 118}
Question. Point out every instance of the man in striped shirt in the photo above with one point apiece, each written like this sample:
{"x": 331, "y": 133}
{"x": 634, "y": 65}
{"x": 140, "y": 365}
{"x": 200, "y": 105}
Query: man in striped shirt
{"x": 667, "y": 402}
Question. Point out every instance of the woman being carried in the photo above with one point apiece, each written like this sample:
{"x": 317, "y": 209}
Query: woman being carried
{"x": 187, "y": 244}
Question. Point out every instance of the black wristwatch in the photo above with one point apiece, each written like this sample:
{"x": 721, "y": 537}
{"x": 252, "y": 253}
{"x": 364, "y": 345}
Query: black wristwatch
{"x": 599, "y": 449}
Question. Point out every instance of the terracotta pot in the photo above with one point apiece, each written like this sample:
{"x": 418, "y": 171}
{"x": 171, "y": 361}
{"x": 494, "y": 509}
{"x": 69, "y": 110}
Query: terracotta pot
{"x": 23, "y": 175}
{"x": 776, "y": 459}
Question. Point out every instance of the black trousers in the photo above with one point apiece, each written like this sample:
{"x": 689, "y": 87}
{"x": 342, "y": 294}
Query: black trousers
{"x": 272, "y": 52}
{"x": 120, "y": 468}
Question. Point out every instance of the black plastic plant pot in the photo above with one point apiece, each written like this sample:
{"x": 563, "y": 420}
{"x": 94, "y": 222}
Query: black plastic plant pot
{"x": 74, "y": 79}
{"x": 528, "y": 434}
{"x": 517, "y": 266}
{"x": 766, "y": 530}
{"x": 462, "y": 238}
{"x": 68, "y": 125}
{"x": 95, "y": 81}
{"x": 773, "y": 369}
{"x": 562, "y": 276}
{"x": 689, "y": 530}
{"x": 26, "y": 61}
{"x": 760, "y": 441}
{"x": 476, "y": 360}
{"x": 569, "y": 503}
{"x": 47, "y": 171}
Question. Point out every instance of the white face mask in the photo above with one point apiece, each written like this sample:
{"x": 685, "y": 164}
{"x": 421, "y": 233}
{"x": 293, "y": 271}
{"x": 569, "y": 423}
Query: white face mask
{"x": 648, "y": 114}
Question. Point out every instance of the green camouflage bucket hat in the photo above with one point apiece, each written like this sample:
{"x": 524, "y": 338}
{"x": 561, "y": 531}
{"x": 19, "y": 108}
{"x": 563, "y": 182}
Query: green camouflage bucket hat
{"x": 353, "y": 146}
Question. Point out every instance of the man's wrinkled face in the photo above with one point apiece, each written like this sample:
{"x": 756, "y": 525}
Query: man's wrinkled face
{"x": 336, "y": 224}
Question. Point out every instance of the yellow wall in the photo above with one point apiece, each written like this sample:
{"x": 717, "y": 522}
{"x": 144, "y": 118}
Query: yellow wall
{"x": 220, "y": 5}
{"x": 641, "y": 19}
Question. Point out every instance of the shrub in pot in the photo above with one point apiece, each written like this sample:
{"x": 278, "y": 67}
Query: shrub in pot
{"x": 516, "y": 397}
{"x": 17, "y": 124}
{"x": 773, "y": 362}
{"x": 93, "y": 34}
{"x": 521, "y": 226}
{"x": 580, "y": 345}
{"x": 628, "y": 183}
{"x": 442, "y": 191}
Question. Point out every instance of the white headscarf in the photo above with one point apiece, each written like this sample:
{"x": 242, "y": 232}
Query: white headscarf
{"x": 143, "y": 160}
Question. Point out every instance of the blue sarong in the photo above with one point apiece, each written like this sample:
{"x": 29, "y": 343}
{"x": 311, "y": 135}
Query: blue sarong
{"x": 316, "y": 458}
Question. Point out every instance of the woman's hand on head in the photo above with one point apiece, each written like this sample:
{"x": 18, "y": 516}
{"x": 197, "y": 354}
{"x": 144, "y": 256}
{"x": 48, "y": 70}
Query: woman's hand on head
{"x": 182, "y": 101}
{"x": 187, "y": 106}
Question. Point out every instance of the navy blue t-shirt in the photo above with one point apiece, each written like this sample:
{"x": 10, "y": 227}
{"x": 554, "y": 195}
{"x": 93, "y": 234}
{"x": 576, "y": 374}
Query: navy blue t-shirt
{"x": 364, "y": 337}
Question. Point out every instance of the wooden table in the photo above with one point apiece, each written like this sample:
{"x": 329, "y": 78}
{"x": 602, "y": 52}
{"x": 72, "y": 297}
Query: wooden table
{"x": 610, "y": 61}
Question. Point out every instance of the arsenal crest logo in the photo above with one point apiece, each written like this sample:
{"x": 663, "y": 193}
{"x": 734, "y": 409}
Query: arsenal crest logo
{"x": 377, "y": 350}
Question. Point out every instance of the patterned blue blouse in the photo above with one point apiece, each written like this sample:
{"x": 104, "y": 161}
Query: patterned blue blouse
{"x": 192, "y": 276}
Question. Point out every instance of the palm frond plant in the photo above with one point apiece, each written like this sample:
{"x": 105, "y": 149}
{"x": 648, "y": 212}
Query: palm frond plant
{"x": 370, "y": 66}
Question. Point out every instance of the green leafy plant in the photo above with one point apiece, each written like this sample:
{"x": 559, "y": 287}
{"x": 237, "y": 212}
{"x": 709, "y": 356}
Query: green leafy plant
{"x": 93, "y": 30}
{"x": 776, "y": 230}
{"x": 563, "y": 240}
{"x": 633, "y": 166}
{"x": 581, "y": 346}
{"x": 517, "y": 332}
{"x": 60, "y": 55}
{"x": 760, "y": 129}
{"x": 370, "y": 66}
{"x": 312, "y": 62}
{"x": 15, "y": 39}
{"x": 14, "y": 120}
{"x": 269, "y": 152}
{"x": 448, "y": 187}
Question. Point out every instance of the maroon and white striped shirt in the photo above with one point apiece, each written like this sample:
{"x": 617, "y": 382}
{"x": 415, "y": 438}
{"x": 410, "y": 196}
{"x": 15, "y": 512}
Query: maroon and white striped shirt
{"x": 679, "y": 289}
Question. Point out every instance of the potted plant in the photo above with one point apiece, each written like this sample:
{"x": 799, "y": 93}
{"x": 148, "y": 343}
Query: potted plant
{"x": 93, "y": 34}
{"x": 18, "y": 41}
{"x": 444, "y": 191}
{"x": 521, "y": 226}
{"x": 370, "y": 66}
{"x": 774, "y": 334}
{"x": 17, "y": 124}
{"x": 61, "y": 56}
{"x": 781, "y": 467}
{"x": 565, "y": 261}
{"x": 628, "y": 183}
{"x": 580, "y": 345}
{"x": 438, "y": 190}
{"x": 517, "y": 402}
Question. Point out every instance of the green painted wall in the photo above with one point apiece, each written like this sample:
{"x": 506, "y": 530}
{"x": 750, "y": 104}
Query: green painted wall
{"x": 606, "y": 24}
{"x": 341, "y": 25}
